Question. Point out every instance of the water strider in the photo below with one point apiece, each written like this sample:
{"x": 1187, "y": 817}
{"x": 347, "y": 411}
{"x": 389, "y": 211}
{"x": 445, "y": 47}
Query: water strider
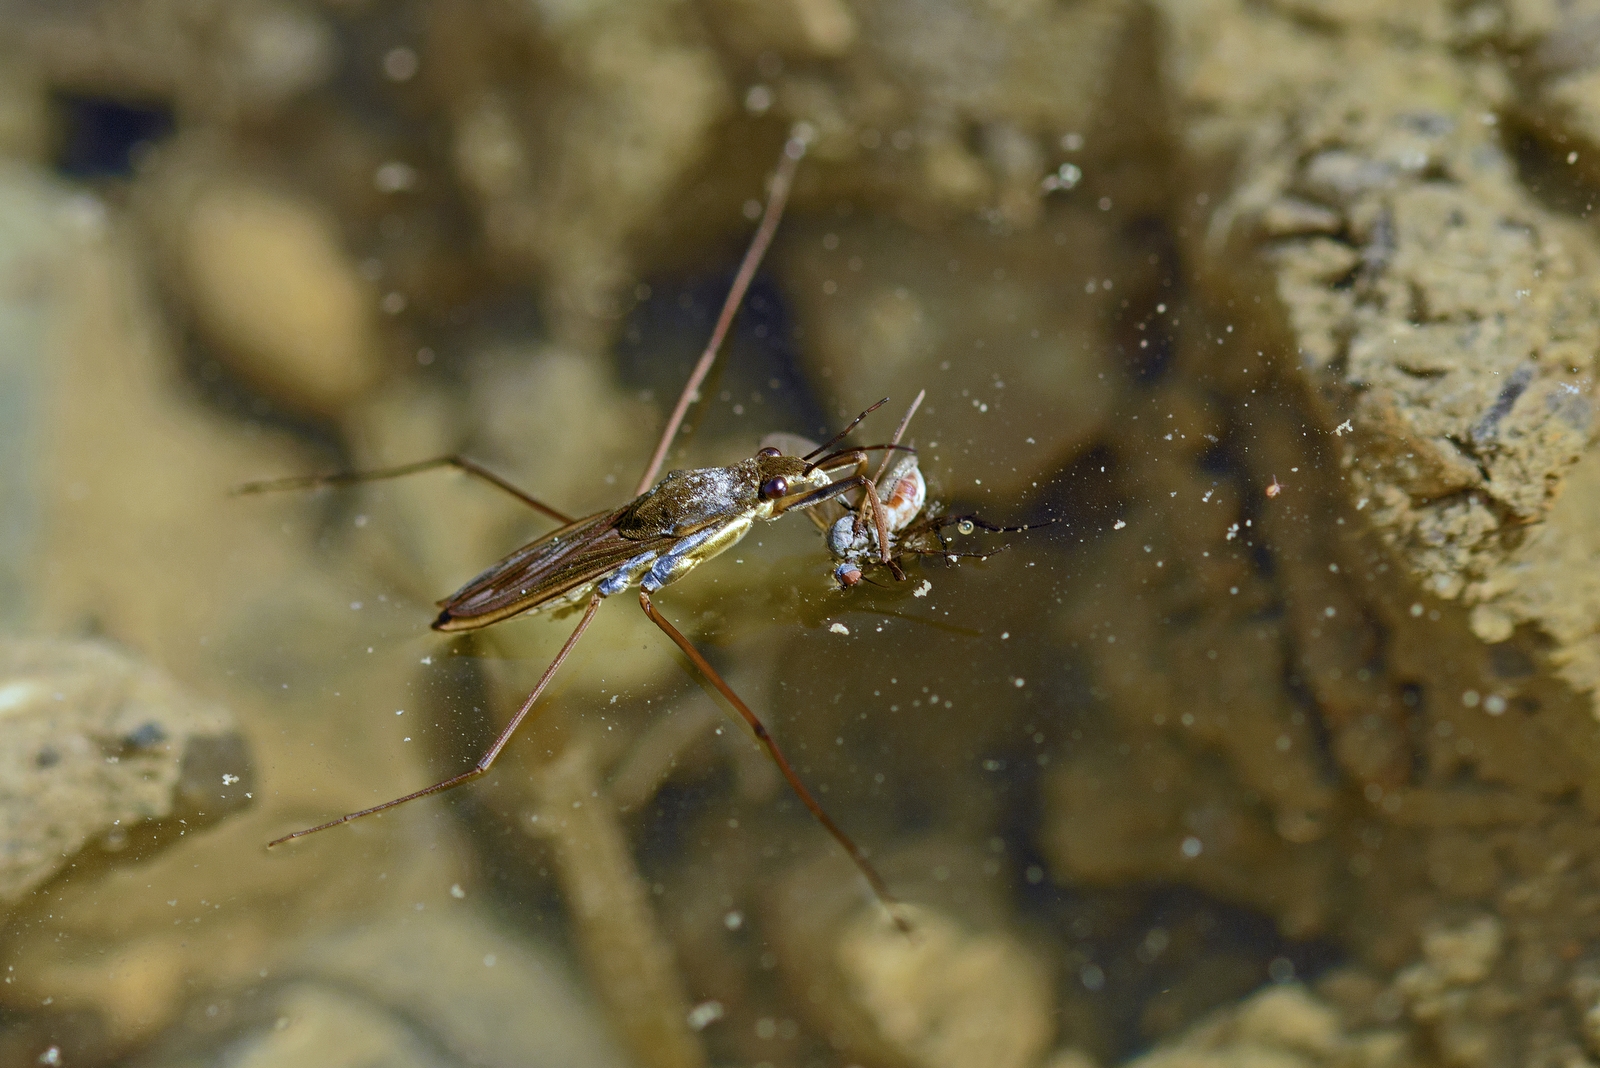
{"x": 666, "y": 531}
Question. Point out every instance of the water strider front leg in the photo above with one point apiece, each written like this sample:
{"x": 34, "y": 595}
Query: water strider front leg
{"x": 759, "y": 729}
{"x": 859, "y": 480}
{"x": 488, "y": 758}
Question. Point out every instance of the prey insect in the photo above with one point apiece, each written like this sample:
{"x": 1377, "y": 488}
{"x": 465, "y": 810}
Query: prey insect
{"x": 914, "y": 526}
{"x": 666, "y": 531}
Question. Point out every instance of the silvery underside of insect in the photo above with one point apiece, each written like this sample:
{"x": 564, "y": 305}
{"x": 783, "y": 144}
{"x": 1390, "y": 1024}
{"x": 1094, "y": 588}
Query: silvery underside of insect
{"x": 655, "y": 567}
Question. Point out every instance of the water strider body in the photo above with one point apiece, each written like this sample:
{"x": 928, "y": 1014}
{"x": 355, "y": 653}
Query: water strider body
{"x": 660, "y": 536}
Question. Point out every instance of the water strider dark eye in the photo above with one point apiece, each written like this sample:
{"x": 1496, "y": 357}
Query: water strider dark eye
{"x": 769, "y": 450}
{"x": 773, "y": 488}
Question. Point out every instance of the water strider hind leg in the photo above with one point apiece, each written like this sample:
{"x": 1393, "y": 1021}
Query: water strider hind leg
{"x": 765, "y": 738}
{"x": 488, "y": 758}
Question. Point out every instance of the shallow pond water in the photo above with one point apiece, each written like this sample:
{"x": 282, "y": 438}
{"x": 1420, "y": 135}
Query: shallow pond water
{"x": 1271, "y": 739}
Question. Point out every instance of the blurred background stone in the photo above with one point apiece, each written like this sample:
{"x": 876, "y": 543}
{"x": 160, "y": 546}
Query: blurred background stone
{"x": 100, "y": 751}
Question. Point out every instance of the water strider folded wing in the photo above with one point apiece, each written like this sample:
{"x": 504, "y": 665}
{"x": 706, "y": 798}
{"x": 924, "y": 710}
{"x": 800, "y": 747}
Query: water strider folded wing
{"x": 548, "y": 573}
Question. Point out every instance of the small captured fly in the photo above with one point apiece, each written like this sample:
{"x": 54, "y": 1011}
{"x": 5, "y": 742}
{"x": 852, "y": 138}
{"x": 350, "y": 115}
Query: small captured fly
{"x": 667, "y": 530}
{"x": 912, "y": 524}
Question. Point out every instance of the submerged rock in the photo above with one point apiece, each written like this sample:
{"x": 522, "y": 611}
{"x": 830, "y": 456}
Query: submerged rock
{"x": 1281, "y": 1027}
{"x": 436, "y": 991}
{"x": 99, "y": 750}
{"x": 951, "y": 991}
{"x": 276, "y": 296}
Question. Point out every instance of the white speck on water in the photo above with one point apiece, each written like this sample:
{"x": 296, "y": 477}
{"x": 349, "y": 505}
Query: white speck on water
{"x": 839, "y": 628}
{"x": 229, "y": 780}
{"x": 456, "y": 891}
{"x": 922, "y": 590}
{"x": 1191, "y": 847}
{"x": 1004, "y": 635}
{"x": 400, "y": 64}
{"x": 427, "y": 660}
{"x": 1118, "y": 525}
{"x": 394, "y": 176}
{"x": 1019, "y": 683}
{"x": 1494, "y": 704}
{"x": 704, "y": 1015}
{"x": 399, "y": 711}
{"x": 733, "y": 920}
{"x": 15, "y": 694}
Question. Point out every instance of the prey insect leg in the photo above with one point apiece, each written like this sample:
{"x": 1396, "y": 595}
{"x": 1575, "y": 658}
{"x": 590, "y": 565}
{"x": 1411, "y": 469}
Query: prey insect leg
{"x": 899, "y": 432}
{"x": 781, "y": 181}
{"x": 966, "y": 524}
{"x": 765, "y": 738}
{"x": 488, "y": 758}
{"x": 350, "y": 478}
